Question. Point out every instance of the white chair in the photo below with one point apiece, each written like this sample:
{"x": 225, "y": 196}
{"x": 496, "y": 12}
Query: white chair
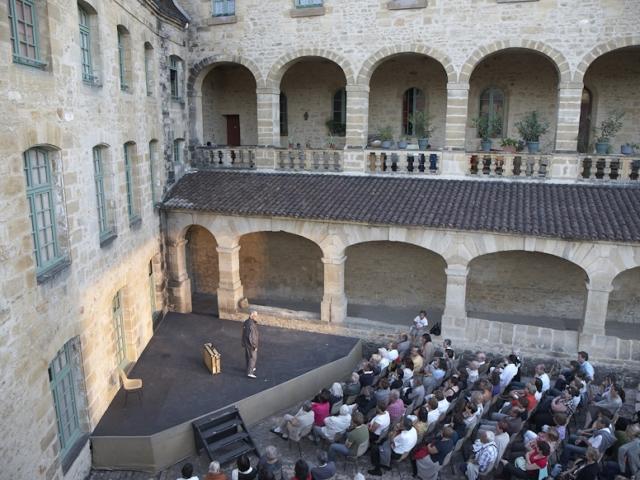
{"x": 130, "y": 385}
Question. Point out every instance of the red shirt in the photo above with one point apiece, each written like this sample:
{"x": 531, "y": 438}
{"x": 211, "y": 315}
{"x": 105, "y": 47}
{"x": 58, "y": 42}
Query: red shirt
{"x": 320, "y": 412}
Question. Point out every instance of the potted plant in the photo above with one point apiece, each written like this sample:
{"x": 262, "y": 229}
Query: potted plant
{"x": 629, "y": 148}
{"x": 530, "y": 128}
{"x": 422, "y": 128}
{"x": 402, "y": 143}
{"x": 487, "y": 128}
{"x": 336, "y": 127}
{"x": 386, "y": 135}
{"x": 509, "y": 145}
{"x": 608, "y": 129}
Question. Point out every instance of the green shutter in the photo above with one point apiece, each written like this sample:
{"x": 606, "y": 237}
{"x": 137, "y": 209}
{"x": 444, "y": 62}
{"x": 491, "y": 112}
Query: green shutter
{"x": 122, "y": 62}
{"x": 23, "y": 19}
{"x": 62, "y": 383}
{"x": 128, "y": 171}
{"x": 98, "y": 172}
{"x": 118, "y": 329}
{"x": 224, "y": 8}
{"x": 85, "y": 46}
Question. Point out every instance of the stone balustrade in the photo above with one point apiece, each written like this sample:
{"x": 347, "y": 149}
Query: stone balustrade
{"x": 207, "y": 158}
{"x": 310, "y": 160}
{"x": 504, "y": 164}
{"x": 414, "y": 162}
{"x": 616, "y": 168}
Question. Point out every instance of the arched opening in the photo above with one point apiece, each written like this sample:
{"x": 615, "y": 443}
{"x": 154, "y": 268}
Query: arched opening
{"x": 527, "y": 288}
{"x": 504, "y": 87}
{"x": 623, "y": 312}
{"x": 229, "y": 109}
{"x": 613, "y": 79}
{"x": 202, "y": 268}
{"x": 283, "y": 270}
{"x": 316, "y": 103}
{"x": 392, "y": 281}
{"x": 584, "y": 129}
{"x": 402, "y": 86}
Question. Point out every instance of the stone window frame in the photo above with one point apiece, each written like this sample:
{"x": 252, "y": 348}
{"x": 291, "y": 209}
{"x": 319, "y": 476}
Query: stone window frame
{"x": 34, "y": 60}
{"x": 307, "y": 8}
{"x": 406, "y": 4}
{"x": 176, "y": 72}
{"x": 131, "y": 182}
{"x": 407, "y": 126}
{"x": 223, "y": 8}
{"x": 124, "y": 58}
{"x": 516, "y": 1}
{"x": 103, "y": 181}
{"x": 149, "y": 77}
{"x": 491, "y": 90}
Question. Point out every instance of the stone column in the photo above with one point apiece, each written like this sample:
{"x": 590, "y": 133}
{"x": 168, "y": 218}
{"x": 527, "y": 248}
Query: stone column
{"x": 357, "y": 116}
{"x": 230, "y": 290}
{"x": 595, "y": 313}
{"x": 455, "y": 296}
{"x": 568, "y": 124}
{"x": 268, "y": 116}
{"x": 334, "y": 300}
{"x": 456, "y": 121}
{"x": 179, "y": 285}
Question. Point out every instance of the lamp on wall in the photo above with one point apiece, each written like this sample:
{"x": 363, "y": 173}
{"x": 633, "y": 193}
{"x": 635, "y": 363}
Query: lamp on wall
{"x": 306, "y": 116}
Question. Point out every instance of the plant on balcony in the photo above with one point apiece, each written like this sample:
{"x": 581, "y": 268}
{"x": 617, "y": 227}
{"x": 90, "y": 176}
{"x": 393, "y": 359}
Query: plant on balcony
{"x": 629, "y": 148}
{"x": 509, "y": 145}
{"x": 608, "y": 129}
{"x": 402, "y": 143}
{"x": 386, "y": 135}
{"x": 336, "y": 128}
{"x": 422, "y": 128}
{"x": 530, "y": 128}
{"x": 487, "y": 128}
{"x": 331, "y": 141}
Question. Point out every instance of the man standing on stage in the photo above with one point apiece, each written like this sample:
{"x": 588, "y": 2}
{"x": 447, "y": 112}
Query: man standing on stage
{"x": 250, "y": 343}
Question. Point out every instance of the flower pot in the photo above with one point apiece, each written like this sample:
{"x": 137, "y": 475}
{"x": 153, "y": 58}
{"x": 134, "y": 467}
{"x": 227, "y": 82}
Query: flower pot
{"x": 602, "y": 148}
{"x": 626, "y": 149}
{"x": 386, "y": 144}
{"x": 402, "y": 144}
{"x": 423, "y": 143}
{"x": 486, "y": 145}
{"x": 376, "y": 143}
{"x": 509, "y": 149}
{"x": 533, "y": 147}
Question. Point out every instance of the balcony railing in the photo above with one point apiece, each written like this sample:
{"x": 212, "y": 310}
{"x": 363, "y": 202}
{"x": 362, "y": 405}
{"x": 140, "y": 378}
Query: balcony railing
{"x": 224, "y": 157}
{"x": 616, "y": 168}
{"x": 310, "y": 160}
{"x": 415, "y": 162}
{"x": 501, "y": 164}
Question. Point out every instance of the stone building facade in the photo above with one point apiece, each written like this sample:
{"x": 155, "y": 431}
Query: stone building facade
{"x": 111, "y": 102}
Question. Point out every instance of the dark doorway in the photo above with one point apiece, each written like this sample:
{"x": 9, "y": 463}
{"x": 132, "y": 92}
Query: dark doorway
{"x": 233, "y": 130}
{"x": 585, "y": 121}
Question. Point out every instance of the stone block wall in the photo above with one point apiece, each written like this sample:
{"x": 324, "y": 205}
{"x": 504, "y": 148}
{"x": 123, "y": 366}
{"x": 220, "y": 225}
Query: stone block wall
{"x": 624, "y": 299}
{"x": 202, "y": 261}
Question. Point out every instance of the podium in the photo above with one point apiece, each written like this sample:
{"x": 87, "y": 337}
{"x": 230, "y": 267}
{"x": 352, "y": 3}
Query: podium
{"x": 211, "y": 358}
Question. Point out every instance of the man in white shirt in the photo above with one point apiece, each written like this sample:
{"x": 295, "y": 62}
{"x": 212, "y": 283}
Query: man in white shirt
{"x": 401, "y": 444}
{"x": 543, "y": 376}
{"x": 293, "y": 425}
{"x": 390, "y": 353}
{"x": 508, "y": 372}
{"x": 420, "y": 324}
{"x": 380, "y": 422}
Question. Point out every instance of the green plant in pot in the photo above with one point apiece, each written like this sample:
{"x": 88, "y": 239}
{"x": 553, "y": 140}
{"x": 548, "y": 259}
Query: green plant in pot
{"x": 629, "y": 148}
{"x": 509, "y": 145}
{"x": 487, "y": 128}
{"x": 422, "y": 128}
{"x": 386, "y": 135}
{"x": 530, "y": 128}
{"x": 336, "y": 128}
{"x": 608, "y": 129}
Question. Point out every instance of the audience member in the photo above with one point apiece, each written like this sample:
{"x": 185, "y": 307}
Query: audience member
{"x": 366, "y": 401}
{"x": 334, "y": 425}
{"x": 398, "y": 445}
{"x": 395, "y": 407}
{"x": 301, "y": 471}
{"x": 271, "y": 462}
{"x": 427, "y": 459}
{"x": 356, "y": 436}
{"x": 380, "y": 423}
{"x": 294, "y": 425}
{"x": 485, "y": 455}
{"x": 321, "y": 408}
{"x": 420, "y": 324}
{"x": 427, "y": 349}
{"x": 325, "y": 468}
{"x": 404, "y": 345}
{"x": 187, "y": 472}
{"x": 214, "y": 472}
{"x": 585, "y": 366}
{"x": 335, "y": 393}
{"x": 530, "y": 465}
{"x": 243, "y": 470}
{"x": 352, "y": 387}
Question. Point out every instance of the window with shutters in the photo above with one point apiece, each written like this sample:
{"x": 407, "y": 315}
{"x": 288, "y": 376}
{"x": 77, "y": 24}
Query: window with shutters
{"x": 23, "y": 20}
{"x": 224, "y": 8}
{"x": 492, "y": 105}
{"x": 413, "y": 101}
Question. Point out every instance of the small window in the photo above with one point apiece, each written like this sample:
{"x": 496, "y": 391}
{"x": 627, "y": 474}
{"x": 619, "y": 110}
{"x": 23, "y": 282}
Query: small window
{"x": 148, "y": 68}
{"x": 118, "y": 329}
{"x": 42, "y": 211}
{"x": 284, "y": 121}
{"x": 130, "y": 179}
{"x": 124, "y": 58}
{"x": 224, "y": 8}
{"x": 308, "y": 3}
{"x": 339, "y": 113}
{"x": 492, "y": 104}
{"x": 101, "y": 202}
{"x": 23, "y": 18}
{"x": 413, "y": 101}
{"x": 178, "y": 146}
{"x": 85, "y": 45}
{"x": 175, "y": 76}
{"x": 154, "y": 170}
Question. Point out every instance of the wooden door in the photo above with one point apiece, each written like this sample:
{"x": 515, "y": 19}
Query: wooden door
{"x": 233, "y": 130}
{"x": 585, "y": 121}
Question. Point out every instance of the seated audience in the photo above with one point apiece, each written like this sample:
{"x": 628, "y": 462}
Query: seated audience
{"x": 301, "y": 471}
{"x": 395, "y": 407}
{"x": 352, "y": 387}
{"x": 214, "y": 472}
{"x": 433, "y": 375}
{"x": 427, "y": 349}
{"x": 321, "y": 408}
{"x": 335, "y": 394}
{"x": 270, "y": 462}
{"x": 427, "y": 458}
{"x": 530, "y": 465}
{"x": 366, "y": 401}
{"x": 400, "y": 443}
{"x": 404, "y": 346}
{"x": 485, "y": 453}
{"x": 382, "y": 391}
{"x": 187, "y": 472}
{"x": 366, "y": 375}
{"x": 600, "y": 437}
{"x": 243, "y": 470}
{"x": 420, "y": 324}
{"x": 451, "y": 388}
{"x": 325, "y": 468}
{"x": 414, "y": 396}
{"x": 334, "y": 425}
{"x": 358, "y": 434}
{"x": 293, "y": 425}
{"x": 380, "y": 423}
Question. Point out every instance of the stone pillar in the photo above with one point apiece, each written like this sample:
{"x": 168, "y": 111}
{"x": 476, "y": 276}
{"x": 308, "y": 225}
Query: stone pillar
{"x": 357, "y": 116}
{"x": 568, "y": 124}
{"x": 595, "y": 312}
{"x": 179, "y": 285}
{"x": 334, "y": 300}
{"x": 455, "y": 296}
{"x": 268, "y": 116}
{"x": 230, "y": 290}
{"x": 456, "y": 121}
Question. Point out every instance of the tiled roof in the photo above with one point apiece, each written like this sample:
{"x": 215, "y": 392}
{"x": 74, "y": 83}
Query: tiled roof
{"x": 169, "y": 8}
{"x": 568, "y": 211}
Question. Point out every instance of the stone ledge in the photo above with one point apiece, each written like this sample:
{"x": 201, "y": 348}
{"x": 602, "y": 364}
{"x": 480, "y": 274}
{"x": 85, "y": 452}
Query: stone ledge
{"x": 53, "y": 270}
{"x": 222, "y": 20}
{"x": 306, "y": 12}
{"x": 516, "y": 1}
{"x": 406, "y": 4}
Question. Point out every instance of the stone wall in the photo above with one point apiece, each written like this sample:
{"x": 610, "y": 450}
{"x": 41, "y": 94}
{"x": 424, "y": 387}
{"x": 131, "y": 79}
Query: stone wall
{"x": 53, "y": 107}
{"x": 229, "y": 90}
{"x": 624, "y": 299}
{"x": 394, "y": 274}
{"x": 529, "y": 82}
{"x": 278, "y": 265}
{"x": 523, "y": 283}
{"x": 202, "y": 261}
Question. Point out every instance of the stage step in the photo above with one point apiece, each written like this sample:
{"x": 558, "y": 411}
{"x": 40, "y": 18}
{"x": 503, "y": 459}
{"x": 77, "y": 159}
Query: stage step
{"x": 223, "y": 435}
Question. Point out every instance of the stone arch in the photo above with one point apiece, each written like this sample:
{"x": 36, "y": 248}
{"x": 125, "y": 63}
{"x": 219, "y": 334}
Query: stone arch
{"x": 201, "y": 258}
{"x": 200, "y": 69}
{"x": 530, "y": 284}
{"x": 281, "y": 65}
{"x": 602, "y": 49}
{"x": 555, "y": 56}
{"x": 370, "y": 65}
{"x": 624, "y": 302}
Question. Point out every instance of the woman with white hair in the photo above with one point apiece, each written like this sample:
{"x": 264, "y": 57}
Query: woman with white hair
{"x": 336, "y": 393}
{"x": 335, "y": 425}
{"x": 214, "y": 472}
{"x": 271, "y": 462}
{"x": 352, "y": 387}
